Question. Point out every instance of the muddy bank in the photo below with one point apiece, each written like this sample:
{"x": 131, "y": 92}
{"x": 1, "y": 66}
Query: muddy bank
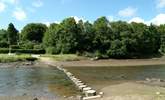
{"x": 103, "y": 62}
{"x": 111, "y": 62}
{"x": 133, "y": 91}
{"x": 125, "y": 83}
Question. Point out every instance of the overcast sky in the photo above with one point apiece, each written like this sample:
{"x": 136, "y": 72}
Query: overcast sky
{"x": 21, "y": 12}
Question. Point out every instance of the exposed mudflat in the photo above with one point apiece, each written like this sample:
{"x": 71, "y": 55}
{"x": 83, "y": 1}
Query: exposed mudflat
{"x": 112, "y": 62}
{"x": 133, "y": 91}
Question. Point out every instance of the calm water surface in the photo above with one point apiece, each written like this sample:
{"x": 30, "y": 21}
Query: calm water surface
{"x": 102, "y": 75}
{"x": 32, "y": 81}
{"x": 29, "y": 81}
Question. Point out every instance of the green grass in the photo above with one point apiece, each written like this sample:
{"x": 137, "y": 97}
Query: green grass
{"x": 65, "y": 57}
{"x": 5, "y": 58}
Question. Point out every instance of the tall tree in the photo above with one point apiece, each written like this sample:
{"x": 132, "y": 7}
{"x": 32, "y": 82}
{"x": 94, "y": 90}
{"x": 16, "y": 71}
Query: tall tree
{"x": 117, "y": 49}
{"x": 3, "y": 39}
{"x": 81, "y": 31}
{"x": 145, "y": 39}
{"x": 69, "y": 36}
{"x": 156, "y": 36}
{"x": 89, "y": 35}
{"x": 33, "y": 32}
{"x": 161, "y": 31}
{"x": 103, "y": 34}
{"x": 12, "y": 34}
{"x": 63, "y": 37}
{"x": 52, "y": 39}
{"x": 3, "y": 35}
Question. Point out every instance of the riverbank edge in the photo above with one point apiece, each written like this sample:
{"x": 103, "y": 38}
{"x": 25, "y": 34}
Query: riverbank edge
{"x": 113, "y": 63}
{"x": 105, "y": 62}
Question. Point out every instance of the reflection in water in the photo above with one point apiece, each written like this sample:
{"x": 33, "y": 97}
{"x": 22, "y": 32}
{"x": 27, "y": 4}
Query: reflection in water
{"x": 28, "y": 81}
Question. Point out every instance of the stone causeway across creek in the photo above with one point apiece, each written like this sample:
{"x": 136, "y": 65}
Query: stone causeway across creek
{"x": 84, "y": 88}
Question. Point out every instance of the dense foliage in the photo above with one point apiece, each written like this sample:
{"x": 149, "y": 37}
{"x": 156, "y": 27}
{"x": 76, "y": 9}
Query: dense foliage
{"x": 63, "y": 37}
{"x": 3, "y": 39}
{"x": 101, "y": 38}
{"x": 105, "y": 39}
{"x": 12, "y": 34}
{"x": 33, "y": 32}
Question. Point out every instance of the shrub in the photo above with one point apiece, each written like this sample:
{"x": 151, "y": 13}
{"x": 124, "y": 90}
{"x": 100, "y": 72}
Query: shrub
{"x": 117, "y": 50}
{"x": 4, "y": 44}
{"x": 88, "y": 54}
{"x": 15, "y": 46}
{"x": 51, "y": 50}
{"x": 39, "y": 46}
{"x": 98, "y": 54}
{"x": 28, "y": 45}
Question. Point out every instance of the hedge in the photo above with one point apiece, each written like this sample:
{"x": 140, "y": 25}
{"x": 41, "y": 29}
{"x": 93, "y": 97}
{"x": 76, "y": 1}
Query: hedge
{"x": 27, "y": 51}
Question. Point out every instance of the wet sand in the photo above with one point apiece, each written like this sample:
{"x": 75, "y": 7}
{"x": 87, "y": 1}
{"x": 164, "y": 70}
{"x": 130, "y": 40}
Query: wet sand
{"x": 133, "y": 91}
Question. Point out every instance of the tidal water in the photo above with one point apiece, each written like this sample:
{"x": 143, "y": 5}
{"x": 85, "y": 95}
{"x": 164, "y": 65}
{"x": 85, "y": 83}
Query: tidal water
{"x": 29, "y": 81}
{"x": 39, "y": 81}
{"x": 102, "y": 75}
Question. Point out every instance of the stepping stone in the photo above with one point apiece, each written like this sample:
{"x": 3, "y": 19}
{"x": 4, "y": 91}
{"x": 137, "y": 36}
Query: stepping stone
{"x": 86, "y": 89}
{"x": 82, "y": 86}
{"x": 68, "y": 73}
{"x": 78, "y": 81}
{"x": 78, "y": 84}
{"x": 90, "y": 93}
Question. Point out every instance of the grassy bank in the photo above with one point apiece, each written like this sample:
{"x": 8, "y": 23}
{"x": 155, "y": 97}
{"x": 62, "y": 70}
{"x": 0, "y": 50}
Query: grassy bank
{"x": 75, "y": 57}
{"x": 4, "y": 58}
{"x": 65, "y": 57}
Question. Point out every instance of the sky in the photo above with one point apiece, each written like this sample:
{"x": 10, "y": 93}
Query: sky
{"x": 22, "y": 12}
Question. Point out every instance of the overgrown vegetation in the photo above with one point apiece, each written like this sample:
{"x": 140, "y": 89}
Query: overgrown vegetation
{"x": 102, "y": 39}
